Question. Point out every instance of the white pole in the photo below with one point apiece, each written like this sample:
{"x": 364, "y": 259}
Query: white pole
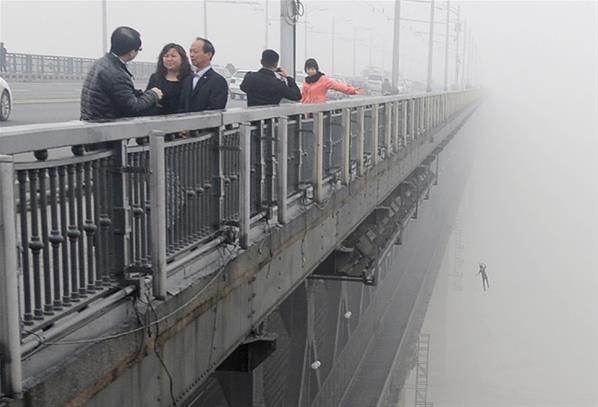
{"x": 396, "y": 45}
{"x": 205, "y": 18}
{"x": 332, "y": 45}
{"x": 446, "y": 45}
{"x": 104, "y": 28}
{"x": 287, "y": 44}
{"x": 266, "y": 27}
{"x": 457, "y": 32}
{"x": 430, "y": 48}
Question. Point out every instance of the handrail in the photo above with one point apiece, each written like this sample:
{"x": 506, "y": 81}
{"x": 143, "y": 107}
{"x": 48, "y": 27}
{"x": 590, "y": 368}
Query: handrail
{"x": 21, "y": 139}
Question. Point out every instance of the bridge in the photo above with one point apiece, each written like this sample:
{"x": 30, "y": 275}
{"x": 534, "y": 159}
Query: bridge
{"x": 273, "y": 256}
{"x": 37, "y": 67}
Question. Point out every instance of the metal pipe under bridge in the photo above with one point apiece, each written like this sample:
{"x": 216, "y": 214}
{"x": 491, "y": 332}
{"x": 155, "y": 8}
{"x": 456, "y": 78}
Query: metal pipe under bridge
{"x": 248, "y": 264}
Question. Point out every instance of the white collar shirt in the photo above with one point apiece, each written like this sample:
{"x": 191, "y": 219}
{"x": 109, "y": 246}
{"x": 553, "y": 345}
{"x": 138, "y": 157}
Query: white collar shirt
{"x": 197, "y": 75}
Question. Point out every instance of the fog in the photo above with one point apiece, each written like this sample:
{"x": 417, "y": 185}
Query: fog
{"x": 530, "y": 210}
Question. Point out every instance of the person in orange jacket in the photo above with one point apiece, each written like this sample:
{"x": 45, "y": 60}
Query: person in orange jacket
{"x": 317, "y": 84}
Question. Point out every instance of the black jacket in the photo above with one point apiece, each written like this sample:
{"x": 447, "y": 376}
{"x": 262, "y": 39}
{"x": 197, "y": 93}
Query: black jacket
{"x": 264, "y": 88}
{"x": 109, "y": 93}
{"x": 210, "y": 93}
{"x": 171, "y": 90}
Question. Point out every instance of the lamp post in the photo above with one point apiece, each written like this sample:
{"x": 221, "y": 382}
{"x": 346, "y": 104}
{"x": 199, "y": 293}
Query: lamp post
{"x": 430, "y": 48}
{"x": 396, "y": 43}
{"x": 266, "y": 27}
{"x": 104, "y": 28}
{"x": 446, "y": 45}
{"x": 205, "y": 18}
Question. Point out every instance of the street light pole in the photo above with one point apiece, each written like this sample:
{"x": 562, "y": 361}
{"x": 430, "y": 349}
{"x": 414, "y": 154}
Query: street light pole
{"x": 104, "y": 28}
{"x": 457, "y": 31}
{"x": 305, "y": 41}
{"x": 205, "y": 18}
{"x": 396, "y": 45}
{"x": 287, "y": 38}
{"x": 446, "y": 45}
{"x": 354, "y": 51}
{"x": 371, "y": 47}
{"x": 266, "y": 30}
{"x": 332, "y": 50}
{"x": 465, "y": 50}
{"x": 430, "y": 48}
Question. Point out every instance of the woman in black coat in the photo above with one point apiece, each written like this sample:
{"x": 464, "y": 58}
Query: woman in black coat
{"x": 173, "y": 67}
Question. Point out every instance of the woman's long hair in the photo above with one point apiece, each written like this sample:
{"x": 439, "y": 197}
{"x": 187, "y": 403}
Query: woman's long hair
{"x": 185, "y": 65}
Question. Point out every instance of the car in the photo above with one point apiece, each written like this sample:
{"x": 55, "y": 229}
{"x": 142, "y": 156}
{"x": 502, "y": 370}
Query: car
{"x": 359, "y": 82}
{"x": 375, "y": 83}
{"x": 5, "y": 100}
{"x": 222, "y": 71}
{"x": 234, "y": 86}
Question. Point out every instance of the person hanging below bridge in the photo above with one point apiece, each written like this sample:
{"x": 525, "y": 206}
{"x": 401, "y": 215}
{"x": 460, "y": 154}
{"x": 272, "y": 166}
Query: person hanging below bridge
{"x": 482, "y": 271}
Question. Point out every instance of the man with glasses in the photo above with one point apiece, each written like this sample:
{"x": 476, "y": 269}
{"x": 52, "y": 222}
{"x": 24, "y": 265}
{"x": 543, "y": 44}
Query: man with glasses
{"x": 108, "y": 91}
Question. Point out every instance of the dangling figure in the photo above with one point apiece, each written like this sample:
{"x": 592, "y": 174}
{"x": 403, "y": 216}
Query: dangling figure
{"x": 482, "y": 271}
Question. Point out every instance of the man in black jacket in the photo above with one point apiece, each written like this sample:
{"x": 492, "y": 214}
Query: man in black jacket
{"x": 108, "y": 91}
{"x": 264, "y": 88}
{"x": 206, "y": 89}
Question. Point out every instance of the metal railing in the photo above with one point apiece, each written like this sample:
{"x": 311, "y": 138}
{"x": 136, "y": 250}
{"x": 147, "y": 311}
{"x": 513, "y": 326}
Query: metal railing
{"x": 45, "y": 67}
{"x": 80, "y": 225}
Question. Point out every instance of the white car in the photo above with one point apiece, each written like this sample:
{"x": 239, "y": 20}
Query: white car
{"x": 234, "y": 85}
{"x": 5, "y": 100}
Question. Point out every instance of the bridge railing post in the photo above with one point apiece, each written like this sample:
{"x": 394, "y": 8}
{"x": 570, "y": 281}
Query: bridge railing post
{"x": 318, "y": 157}
{"x": 388, "y": 128}
{"x": 395, "y": 126}
{"x": 121, "y": 225}
{"x": 360, "y": 140}
{"x": 404, "y": 106}
{"x": 375, "y": 129}
{"x": 282, "y": 159}
{"x": 346, "y": 147}
{"x": 158, "y": 213}
{"x": 244, "y": 184}
{"x": 10, "y": 341}
{"x": 411, "y": 115}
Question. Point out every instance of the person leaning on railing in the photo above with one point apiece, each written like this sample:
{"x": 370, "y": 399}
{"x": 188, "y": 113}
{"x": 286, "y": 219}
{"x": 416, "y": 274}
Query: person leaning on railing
{"x": 108, "y": 90}
{"x": 317, "y": 84}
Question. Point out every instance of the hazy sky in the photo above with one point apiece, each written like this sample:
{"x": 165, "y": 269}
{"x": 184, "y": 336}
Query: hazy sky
{"x": 512, "y": 38}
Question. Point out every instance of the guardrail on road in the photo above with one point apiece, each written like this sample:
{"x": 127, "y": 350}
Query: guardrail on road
{"x": 27, "y": 67}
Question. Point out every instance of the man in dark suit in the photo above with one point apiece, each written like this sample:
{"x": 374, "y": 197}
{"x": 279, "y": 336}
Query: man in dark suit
{"x": 265, "y": 88}
{"x": 206, "y": 89}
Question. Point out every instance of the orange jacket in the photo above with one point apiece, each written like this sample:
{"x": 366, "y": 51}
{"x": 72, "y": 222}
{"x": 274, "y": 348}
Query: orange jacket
{"x": 316, "y": 92}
